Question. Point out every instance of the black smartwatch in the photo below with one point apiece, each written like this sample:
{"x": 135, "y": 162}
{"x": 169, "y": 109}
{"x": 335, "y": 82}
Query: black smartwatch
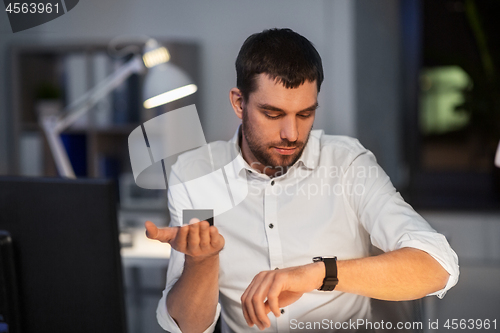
{"x": 331, "y": 280}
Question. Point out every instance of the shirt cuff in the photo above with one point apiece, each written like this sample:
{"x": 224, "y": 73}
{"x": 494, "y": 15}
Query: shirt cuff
{"x": 437, "y": 246}
{"x": 169, "y": 324}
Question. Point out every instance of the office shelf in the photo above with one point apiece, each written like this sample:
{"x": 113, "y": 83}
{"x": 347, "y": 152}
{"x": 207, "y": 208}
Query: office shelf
{"x": 36, "y": 65}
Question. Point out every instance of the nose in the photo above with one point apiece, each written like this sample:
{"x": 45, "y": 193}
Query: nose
{"x": 289, "y": 130}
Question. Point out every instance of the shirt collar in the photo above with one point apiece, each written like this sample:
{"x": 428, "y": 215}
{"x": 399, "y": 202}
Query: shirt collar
{"x": 239, "y": 163}
{"x": 309, "y": 158}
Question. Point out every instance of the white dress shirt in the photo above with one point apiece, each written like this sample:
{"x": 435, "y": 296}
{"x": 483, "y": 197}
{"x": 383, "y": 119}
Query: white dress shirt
{"x": 333, "y": 201}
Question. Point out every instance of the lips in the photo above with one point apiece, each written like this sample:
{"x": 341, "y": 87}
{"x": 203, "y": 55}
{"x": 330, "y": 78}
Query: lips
{"x": 285, "y": 151}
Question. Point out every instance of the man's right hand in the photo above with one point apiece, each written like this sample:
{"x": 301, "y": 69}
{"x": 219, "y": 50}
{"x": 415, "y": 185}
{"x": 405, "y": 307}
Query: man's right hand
{"x": 198, "y": 239}
{"x": 192, "y": 301}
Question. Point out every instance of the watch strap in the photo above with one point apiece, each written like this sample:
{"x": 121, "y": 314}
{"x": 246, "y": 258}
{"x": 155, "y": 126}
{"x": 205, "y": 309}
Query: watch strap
{"x": 330, "y": 281}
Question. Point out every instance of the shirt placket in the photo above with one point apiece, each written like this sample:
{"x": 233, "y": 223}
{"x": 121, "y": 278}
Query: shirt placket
{"x": 274, "y": 241}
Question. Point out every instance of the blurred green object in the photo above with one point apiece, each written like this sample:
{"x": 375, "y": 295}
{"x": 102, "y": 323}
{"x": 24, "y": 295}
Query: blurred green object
{"x": 442, "y": 90}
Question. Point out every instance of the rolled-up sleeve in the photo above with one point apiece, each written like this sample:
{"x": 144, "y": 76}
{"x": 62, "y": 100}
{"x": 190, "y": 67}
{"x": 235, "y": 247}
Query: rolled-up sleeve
{"x": 391, "y": 222}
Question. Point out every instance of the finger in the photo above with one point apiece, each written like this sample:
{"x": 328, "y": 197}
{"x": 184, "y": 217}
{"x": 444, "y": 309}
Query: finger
{"x": 180, "y": 241}
{"x": 267, "y": 308}
{"x": 165, "y": 235}
{"x": 252, "y": 300}
{"x": 273, "y": 297}
{"x": 193, "y": 238}
{"x": 245, "y": 312}
{"x": 260, "y": 294}
{"x": 246, "y": 302}
{"x": 204, "y": 236}
{"x": 151, "y": 229}
{"x": 194, "y": 220}
{"x": 216, "y": 239}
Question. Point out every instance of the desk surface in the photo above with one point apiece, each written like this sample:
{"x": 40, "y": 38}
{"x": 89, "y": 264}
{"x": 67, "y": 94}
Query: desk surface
{"x": 145, "y": 252}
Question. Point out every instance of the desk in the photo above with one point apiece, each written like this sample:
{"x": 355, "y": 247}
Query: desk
{"x": 144, "y": 253}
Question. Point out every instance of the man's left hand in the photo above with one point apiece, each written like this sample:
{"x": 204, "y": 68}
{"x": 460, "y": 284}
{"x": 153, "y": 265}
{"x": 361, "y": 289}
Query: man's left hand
{"x": 271, "y": 290}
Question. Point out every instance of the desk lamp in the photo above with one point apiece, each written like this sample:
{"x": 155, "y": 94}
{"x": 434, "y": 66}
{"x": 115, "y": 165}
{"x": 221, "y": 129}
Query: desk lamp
{"x": 164, "y": 83}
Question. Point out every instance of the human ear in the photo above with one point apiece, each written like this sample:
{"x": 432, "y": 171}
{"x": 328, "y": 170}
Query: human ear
{"x": 236, "y": 99}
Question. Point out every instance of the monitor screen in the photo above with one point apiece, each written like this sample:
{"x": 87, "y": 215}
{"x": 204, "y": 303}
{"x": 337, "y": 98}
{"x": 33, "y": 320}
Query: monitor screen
{"x": 66, "y": 253}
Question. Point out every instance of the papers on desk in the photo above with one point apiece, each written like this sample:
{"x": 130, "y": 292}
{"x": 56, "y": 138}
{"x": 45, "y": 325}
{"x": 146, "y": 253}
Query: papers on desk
{"x": 145, "y": 252}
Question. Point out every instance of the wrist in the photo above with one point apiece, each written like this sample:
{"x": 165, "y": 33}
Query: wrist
{"x": 202, "y": 260}
{"x": 319, "y": 274}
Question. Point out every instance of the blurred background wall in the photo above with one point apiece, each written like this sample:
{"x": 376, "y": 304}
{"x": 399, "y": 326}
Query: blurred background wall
{"x": 220, "y": 28}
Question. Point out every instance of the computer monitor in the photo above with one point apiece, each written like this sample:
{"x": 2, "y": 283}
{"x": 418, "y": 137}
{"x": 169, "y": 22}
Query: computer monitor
{"x": 66, "y": 253}
{"x": 9, "y": 302}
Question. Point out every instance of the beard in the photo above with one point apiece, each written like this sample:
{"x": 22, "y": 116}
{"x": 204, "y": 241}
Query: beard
{"x": 263, "y": 151}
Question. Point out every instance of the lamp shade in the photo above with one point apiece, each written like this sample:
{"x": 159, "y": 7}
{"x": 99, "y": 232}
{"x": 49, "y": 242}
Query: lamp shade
{"x": 165, "y": 83}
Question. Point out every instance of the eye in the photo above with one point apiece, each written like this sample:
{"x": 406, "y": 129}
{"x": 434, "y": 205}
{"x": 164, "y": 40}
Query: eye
{"x": 270, "y": 116}
{"x": 305, "y": 115}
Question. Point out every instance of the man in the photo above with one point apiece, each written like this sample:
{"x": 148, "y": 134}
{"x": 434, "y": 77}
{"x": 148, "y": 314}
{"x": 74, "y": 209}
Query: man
{"x": 310, "y": 195}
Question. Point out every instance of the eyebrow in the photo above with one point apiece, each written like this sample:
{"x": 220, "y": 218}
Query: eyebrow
{"x": 274, "y": 108}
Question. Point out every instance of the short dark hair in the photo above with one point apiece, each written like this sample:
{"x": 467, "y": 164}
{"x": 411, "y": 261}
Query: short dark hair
{"x": 283, "y": 54}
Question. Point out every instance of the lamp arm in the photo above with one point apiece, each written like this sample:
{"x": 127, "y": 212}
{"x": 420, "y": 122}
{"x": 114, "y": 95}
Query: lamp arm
{"x": 79, "y": 107}
{"x": 56, "y": 146}
{"x": 53, "y": 125}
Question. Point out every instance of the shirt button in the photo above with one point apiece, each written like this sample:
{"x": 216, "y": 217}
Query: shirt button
{"x": 271, "y": 225}
{"x": 282, "y": 311}
{"x": 272, "y": 183}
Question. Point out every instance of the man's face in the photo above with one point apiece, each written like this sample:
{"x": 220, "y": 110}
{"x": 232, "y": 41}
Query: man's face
{"x": 276, "y": 123}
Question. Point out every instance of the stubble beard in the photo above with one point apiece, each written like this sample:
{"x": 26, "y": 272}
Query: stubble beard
{"x": 262, "y": 151}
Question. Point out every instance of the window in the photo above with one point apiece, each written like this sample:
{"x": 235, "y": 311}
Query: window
{"x": 452, "y": 106}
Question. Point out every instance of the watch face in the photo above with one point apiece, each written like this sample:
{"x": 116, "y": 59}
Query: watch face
{"x": 316, "y": 259}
